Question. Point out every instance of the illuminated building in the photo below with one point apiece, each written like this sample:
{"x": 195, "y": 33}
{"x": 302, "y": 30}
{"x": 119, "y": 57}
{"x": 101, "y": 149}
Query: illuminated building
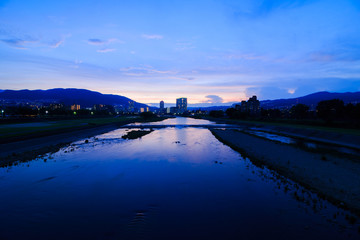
{"x": 181, "y": 105}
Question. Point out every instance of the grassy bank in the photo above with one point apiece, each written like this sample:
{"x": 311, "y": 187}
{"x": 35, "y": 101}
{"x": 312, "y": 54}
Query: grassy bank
{"x": 23, "y": 131}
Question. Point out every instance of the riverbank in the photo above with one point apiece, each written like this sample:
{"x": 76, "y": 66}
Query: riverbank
{"x": 335, "y": 178}
{"x": 14, "y": 132}
{"x": 336, "y": 136}
{"x": 26, "y": 147}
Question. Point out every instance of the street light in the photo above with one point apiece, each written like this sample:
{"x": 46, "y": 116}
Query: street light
{"x": 2, "y": 113}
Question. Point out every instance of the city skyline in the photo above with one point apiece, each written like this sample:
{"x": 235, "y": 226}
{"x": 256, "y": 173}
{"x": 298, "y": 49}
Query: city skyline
{"x": 212, "y": 52}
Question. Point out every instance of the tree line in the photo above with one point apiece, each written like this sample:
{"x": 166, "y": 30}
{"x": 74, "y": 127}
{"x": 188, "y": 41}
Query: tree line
{"x": 328, "y": 111}
{"x": 28, "y": 111}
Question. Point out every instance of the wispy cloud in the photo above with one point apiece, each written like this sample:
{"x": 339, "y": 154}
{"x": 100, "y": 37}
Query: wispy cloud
{"x": 240, "y": 56}
{"x": 106, "y": 50}
{"x": 181, "y": 46}
{"x": 183, "y": 78}
{"x": 144, "y": 70}
{"x": 321, "y": 57}
{"x": 152, "y": 36}
{"x": 246, "y": 57}
{"x": 56, "y": 44}
{"x": 76, "y": 64}
{"x": 27, "y": 41}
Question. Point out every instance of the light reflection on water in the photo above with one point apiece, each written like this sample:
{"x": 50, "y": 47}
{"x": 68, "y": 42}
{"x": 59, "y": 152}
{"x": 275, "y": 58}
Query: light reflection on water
{"x": 177, "y": 121}
{"x": 170, "y": 184}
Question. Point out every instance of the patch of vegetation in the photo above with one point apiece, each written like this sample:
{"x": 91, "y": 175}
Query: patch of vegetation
{"x": 136, "y": 134}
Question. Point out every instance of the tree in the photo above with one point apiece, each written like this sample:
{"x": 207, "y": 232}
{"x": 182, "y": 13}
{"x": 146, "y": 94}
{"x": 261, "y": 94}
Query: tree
{"x": 299, "y": 111}
{"x": 270, "y": 113}
{"x": 231, "y": 112}
{"x": 216, "y": 113}
{"x": 330, "y": 110}
{"x": 147, "y": 115}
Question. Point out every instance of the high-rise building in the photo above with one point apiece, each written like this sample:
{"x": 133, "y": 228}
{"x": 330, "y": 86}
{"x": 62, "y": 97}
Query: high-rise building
{"x": 181, "y": 105}
{"x": 251, "y": 107}
{"x": 161, "y": 105}
{"x": 162, "y": 109}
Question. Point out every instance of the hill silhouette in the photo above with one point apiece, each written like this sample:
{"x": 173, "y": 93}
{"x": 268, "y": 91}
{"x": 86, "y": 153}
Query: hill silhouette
{"x": 312, "y": 99}
{"x": 69, "y": 96}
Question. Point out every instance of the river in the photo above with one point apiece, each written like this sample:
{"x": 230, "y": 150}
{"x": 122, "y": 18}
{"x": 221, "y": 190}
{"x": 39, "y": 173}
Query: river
{"x": 174, "y": 183}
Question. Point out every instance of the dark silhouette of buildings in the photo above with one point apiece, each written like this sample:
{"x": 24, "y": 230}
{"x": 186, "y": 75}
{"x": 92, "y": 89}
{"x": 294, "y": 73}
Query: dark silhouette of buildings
{"x": 250, "y": 107}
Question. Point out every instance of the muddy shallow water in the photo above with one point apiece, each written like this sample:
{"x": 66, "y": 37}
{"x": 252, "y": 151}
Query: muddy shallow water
{"x": 174, "y": 183}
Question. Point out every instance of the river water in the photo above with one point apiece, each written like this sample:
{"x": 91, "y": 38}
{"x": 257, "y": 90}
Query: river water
{"x": 174, "y": 183}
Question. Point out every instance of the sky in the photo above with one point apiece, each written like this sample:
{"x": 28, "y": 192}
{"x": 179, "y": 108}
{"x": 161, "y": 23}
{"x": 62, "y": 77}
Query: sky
{"x": 212, "y": 52}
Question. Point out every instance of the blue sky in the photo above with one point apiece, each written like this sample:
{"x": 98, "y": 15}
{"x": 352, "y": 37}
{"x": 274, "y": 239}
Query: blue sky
{"x": 209, "y": 51}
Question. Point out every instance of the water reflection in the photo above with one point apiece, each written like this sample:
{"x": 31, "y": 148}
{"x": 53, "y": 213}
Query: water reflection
{"x": 174, "y": 183}
{"x": 178, "y": 121}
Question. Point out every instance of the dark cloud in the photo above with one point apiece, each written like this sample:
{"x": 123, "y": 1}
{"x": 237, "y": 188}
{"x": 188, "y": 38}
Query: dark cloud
{"x": 96, "y": 41}
{"x": 213, "y": 99}
{"x": 15, "y": 42}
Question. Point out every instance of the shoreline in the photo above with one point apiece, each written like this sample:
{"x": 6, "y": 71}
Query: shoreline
{"x": 330, "y": 136}
{"x": 31, "y": 146}
{"x": 337, "y": 179}
{"x": 26, "y": 150}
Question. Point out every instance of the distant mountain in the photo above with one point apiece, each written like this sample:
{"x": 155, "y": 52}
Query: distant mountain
{"x": 68, "y": 96}
{"x": 311, "y": 100}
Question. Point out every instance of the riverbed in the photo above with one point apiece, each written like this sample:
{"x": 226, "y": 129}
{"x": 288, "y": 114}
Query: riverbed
{"x": 174, "y": 183}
